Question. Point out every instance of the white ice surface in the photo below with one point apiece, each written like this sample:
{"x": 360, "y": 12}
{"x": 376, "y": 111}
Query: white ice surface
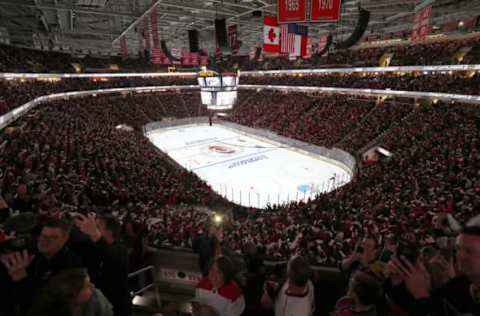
{"x": 246, "y": 169}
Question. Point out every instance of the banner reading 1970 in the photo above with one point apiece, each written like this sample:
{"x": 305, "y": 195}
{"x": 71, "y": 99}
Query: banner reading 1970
{"x": 325, "y": 10}
{"x": 290, "y": 11}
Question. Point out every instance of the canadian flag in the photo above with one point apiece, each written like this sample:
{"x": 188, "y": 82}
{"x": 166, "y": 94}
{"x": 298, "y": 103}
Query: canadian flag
{"x": 271, "y": 35}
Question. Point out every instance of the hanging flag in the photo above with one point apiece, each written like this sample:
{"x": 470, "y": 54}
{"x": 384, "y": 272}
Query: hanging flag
{"x": 308, "y": 55}
{"x": 289, "y": 11}
{"x": 325, "y": 10}
{"x": 302, "y": 30}
{"x": 421, "y": 26}
{"x": 293, "y": 39}
{"x": 271, "y": 35}
{"x": 232, "y": 38}
{"x": 153, "y": 19}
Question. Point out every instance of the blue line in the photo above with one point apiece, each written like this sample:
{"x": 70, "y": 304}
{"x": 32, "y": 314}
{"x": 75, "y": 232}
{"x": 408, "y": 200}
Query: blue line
{"x": 233, "y": 159}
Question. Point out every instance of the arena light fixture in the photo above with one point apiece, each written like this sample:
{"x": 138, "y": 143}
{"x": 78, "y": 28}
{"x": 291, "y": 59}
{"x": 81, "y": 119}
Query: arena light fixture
{"x": 218, "y": 91}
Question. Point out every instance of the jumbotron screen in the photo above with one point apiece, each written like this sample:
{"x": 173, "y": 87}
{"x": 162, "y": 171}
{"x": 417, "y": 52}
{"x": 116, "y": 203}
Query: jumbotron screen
{"x": 217, "y": 82}
{"x": 220, "y": 99}
{"x": 213, "y": 81}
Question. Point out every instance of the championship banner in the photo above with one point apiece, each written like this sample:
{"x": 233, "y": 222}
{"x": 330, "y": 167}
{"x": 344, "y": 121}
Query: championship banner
{"x": 421, "y": 25}
{"x": 425, "y": 25}
{"x": 194, "y": 58}
{"x": 325, "y": 11}
{"x": 232, "y": 37}
{"x": 153, "y": 20}
{"x": 289, "y": 11}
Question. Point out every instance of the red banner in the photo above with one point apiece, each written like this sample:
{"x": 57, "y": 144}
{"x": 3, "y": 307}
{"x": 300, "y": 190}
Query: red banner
{"x": 325, "y": 10}
{"x": 308, "y": 53}
{"x": 289, "y": 11}
{"x": 232, "y": 37}
{"x": 204, "y": 60}
{"x": 157, "y": 56}
{"x": 186, "y": 60}
{"x": 153, "y": 20}
{"x": 421, "y": 24}
{"x": 194, "y": 58}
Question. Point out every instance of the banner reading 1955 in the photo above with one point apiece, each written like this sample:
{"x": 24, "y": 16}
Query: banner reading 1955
{"x": 325, "y": 10}
{"x": 290, "y": 11}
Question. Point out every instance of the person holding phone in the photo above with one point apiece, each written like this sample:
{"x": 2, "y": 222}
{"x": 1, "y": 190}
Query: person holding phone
{"x": 459, "y": 296}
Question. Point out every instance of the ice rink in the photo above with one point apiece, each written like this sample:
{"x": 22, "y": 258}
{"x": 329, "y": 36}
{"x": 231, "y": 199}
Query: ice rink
{"x": 246, "y": 169}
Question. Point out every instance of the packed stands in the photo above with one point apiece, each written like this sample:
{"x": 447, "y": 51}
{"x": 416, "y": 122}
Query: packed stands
{"x": 415, "y": 139}
{"x": 71, "y": 157}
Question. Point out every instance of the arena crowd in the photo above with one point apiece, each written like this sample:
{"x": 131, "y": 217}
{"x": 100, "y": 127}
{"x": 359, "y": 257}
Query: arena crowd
{"x": 83, "y": 192}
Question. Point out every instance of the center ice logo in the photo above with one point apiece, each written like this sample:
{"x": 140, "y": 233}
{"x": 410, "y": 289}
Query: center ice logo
{"x": 221, "y": 149}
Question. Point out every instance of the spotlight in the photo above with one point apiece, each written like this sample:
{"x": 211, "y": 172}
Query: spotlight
{"x": 217, "y": 219}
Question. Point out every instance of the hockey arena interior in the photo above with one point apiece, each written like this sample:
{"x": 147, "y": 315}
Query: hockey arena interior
{"x": 239, "y": 157}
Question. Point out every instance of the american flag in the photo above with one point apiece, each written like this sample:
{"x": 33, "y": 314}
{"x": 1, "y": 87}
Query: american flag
{"x": 287, "y": 40}
{"x": 293, "y": 39}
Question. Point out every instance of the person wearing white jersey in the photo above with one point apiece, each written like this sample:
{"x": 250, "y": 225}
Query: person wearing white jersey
{"x": 296, "y": 296}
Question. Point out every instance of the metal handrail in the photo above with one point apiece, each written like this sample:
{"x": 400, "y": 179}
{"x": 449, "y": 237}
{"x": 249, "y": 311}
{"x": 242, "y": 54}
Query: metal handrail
{"x": 149, "y": 286}
{"x": 139, "y": 271}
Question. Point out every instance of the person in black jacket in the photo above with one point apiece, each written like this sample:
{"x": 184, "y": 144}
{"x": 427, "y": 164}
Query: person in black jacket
{"x": 459, "y": 296}
{"x": 107, "y": 260}
{"x": 30, "y": 272}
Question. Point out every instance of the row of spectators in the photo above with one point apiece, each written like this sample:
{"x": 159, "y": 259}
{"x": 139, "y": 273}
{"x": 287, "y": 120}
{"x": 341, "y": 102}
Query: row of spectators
{"x": 402, "y": 55}
{"x": 17, "y": 92}
{"x": 459, "y": 83}
{"x": 14, "y": 59}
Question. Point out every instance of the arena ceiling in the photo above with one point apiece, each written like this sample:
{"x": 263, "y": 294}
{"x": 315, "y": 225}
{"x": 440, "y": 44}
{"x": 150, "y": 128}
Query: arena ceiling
{"x": 96, "y": 25}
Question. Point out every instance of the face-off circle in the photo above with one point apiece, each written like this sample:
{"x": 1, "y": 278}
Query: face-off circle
{"x": 220, "y": 150}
